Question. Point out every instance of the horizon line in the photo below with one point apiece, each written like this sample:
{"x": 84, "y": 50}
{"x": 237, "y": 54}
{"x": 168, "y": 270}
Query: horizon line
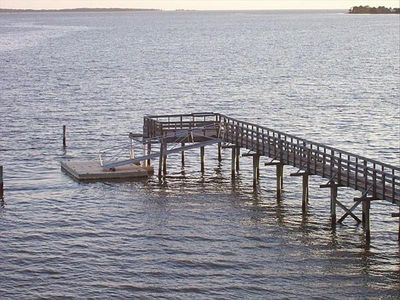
{"x": 159, "y": 9}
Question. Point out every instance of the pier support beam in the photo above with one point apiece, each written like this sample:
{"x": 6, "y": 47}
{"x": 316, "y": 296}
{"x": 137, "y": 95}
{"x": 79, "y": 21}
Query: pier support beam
{"x": 183, "y": 155}
{"x": 64, "y": 136}
{"x": 160, "y": 161}
{"x": 219, "y": 152}
{"x": 233, "y": 162}
{"x": 237, "y": 153}
{"x": 366, "y": 205}
{"x": 334, "y": 189}
{"x": 165, "y": 159}
{"x": 305, "y": 195}
{"x": 202, "y": 159}
{"x": 1, "y": 183}
{"x": 148, "y": 153}
{"x": 279, "y": 177}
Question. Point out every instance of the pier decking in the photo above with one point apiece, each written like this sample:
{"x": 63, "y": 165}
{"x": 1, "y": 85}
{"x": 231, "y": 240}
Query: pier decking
{"x": 375, "y": 180}
{"x": 179, "y": 133}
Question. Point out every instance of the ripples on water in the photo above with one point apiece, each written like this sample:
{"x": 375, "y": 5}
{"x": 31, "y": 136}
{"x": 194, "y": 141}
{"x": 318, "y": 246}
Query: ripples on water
{"x": 328, "y": 77}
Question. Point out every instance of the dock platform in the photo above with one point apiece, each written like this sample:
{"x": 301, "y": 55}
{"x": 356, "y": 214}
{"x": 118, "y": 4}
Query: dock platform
{"x": 91, "y": 170}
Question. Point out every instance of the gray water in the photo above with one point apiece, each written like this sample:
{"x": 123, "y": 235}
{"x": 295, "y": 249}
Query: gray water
{"x": 325, "y": 76}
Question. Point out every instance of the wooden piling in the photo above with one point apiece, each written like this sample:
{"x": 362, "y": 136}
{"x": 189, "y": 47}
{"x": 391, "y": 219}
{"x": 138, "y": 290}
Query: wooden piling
{"x": 334, "y": 189}
{"x": 183, "y": 155}
{"x": 233, "y": 162}
{"x": 366, "y": 205}
{"x": 64, "y": 136}
{"x": 202, "y": 159}
{"x": 165, "y": 159}
{"x": 148, "y": 153}
{"x": 279, "y": 180}
{"x": 305, "y": 193}
{"x": 1, "y": 183}
{"x": 255, "y": 167}
{"x": 219, "y": 152}
{"x": 237, "y": 152}
{"x": 160, "y": 161}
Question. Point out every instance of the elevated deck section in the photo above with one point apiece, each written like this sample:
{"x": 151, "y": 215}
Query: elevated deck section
{"x": 374, "y": 179}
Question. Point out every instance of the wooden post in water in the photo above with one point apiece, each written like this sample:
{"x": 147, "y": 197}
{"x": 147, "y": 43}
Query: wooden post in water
{"x": 64, "y": 136}
{"x": 202, "y": 159}
{"x": 254, "y": 170}
{"x": 366, "y": 205}
{"x": 148, "y": 153}
{"x": 1, "y": 183}
{"x": 305, "y": 193}
{"x": 183, "y": 155}
{"x": 237, "y": 152}
{"x": 279, "y": 180}
{"x": 233, "y": 162}
{"x": 219, "y": 152}
{"x": 160, "y": 162}
{"x": 279, "y": 177}
{"x": 334, "y": 188}
{"x": 165, "y": 159}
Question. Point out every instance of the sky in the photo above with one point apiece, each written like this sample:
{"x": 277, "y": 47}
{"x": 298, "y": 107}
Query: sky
{"x": 196, "y": 4}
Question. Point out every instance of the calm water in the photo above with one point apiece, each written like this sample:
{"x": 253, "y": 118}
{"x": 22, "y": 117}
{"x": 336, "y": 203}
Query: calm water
{"x": 326, "y": 76}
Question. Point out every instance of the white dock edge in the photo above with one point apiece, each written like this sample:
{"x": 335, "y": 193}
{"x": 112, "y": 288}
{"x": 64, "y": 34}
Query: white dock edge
{"x": 91, "y": 170}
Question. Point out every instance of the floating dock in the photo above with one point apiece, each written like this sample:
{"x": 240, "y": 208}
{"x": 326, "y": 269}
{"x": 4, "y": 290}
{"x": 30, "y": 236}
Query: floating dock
{"x": 92, "y": 170}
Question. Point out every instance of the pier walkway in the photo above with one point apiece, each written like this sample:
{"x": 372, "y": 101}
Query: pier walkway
{"x": 375, "y": 180}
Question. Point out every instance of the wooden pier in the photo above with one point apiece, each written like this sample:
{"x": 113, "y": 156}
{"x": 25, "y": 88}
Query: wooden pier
{"x": 375, "y": 180}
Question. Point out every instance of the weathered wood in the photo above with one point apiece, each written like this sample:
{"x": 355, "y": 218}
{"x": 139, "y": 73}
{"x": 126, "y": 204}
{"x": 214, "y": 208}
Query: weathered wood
{"x": 349, "y": 211}
{"x": 183, "y": 155}
{"x": 376, "y": 180}
{"x": 237, "y": 153}
{"x": 202, "y": 159}
{"x": 333, "y": 204}
{"x": 233, "y": 162}
{"x": 1, "y": 183}
{"x": 305, "y": 192}
{"x": 148, "y": 153}
{"x": 64, "y": 136}
{"x": 160, "y": 161}
{"x": 279, "y": 180}
{"x": 165, "y": 159}
{"x": 219, "y": 152}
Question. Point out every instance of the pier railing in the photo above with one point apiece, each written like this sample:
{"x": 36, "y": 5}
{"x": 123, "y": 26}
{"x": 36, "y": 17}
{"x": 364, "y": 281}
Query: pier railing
{"x": 374, "y": 179}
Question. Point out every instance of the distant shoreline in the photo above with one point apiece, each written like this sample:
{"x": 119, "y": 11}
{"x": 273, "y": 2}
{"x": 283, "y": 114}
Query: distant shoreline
{"x": 12, "y": 10}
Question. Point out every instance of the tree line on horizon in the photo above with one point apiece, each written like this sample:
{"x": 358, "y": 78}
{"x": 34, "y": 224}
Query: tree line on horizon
{"x": 373, "y": 10}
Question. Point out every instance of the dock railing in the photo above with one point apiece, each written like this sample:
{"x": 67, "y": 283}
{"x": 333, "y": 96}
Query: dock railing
{"x": 374, "y": 179}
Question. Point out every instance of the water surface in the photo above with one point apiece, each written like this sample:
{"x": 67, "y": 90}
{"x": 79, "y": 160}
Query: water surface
{"x": 325, "y": 76}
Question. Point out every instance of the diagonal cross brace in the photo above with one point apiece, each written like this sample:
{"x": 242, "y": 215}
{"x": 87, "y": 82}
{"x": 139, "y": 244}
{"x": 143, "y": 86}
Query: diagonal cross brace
{"x": 349, "y": 212}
